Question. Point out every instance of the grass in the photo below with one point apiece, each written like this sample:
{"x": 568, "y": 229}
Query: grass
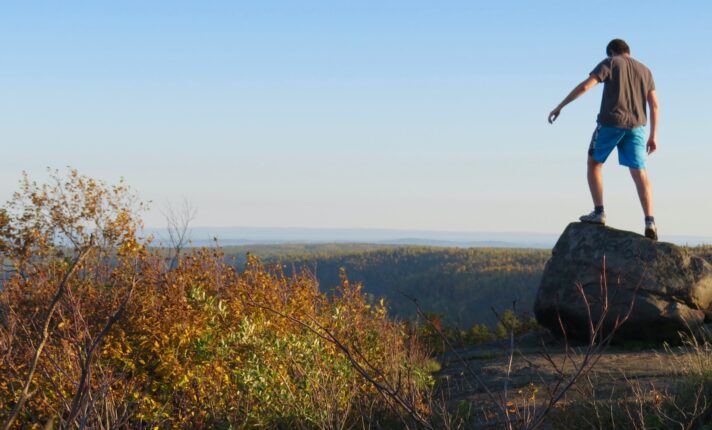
{"x": 684, "y": 402}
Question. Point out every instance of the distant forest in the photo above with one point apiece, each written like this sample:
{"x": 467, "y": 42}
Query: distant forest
{"x": 463, "y": 286}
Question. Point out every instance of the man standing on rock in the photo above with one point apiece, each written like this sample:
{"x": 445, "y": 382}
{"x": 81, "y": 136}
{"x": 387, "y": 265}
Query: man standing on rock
{"x": 627, "y": 86}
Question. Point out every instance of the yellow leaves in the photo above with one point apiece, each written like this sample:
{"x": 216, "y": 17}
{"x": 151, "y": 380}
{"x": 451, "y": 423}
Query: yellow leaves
{"x": 68, "y": 210}
{"x": 184, "y": 380}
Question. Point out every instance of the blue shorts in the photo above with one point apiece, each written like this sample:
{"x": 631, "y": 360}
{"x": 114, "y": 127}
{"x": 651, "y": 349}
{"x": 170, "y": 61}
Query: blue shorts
{"x": 630, "y": 142}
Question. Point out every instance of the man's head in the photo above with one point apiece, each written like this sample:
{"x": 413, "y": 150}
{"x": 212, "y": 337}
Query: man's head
{"x": 617, "y": 47}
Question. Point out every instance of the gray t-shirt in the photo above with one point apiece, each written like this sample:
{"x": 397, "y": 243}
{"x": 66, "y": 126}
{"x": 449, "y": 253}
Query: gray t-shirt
{"x": 626, "y": 84}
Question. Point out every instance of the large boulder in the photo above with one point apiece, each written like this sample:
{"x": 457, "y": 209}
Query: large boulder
{"x": 669, "y": 288}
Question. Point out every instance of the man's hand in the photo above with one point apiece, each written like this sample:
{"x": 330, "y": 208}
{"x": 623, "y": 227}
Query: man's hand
{"x": 554, "y": 114}
{"x": 651, "y": 146}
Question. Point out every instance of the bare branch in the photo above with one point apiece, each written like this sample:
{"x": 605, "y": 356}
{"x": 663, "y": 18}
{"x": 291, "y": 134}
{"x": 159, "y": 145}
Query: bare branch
{"x": 80, "y": 396}
{"x": 61, "y": 290}
{"x": 178, "y": 220}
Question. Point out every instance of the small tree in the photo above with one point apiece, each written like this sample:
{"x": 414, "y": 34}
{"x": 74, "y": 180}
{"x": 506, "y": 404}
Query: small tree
{"x": 178, "y": 220}
{"x": 67, "y": 243}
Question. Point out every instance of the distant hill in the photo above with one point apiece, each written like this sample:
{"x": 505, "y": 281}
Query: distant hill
{"x": 463, "y": 285}
{"x": 238, "y": 236}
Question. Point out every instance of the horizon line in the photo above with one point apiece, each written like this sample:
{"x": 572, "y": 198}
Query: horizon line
{"x": 399, "y": 229}
{"x": 410, "y": 230}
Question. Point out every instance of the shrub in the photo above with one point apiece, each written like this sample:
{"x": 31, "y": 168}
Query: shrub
{"x": 480, "y": 333}
{"x": 198, "y": 345}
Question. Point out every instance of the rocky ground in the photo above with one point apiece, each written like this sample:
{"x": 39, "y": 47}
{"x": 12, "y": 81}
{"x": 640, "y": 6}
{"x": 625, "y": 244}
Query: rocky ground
{"x": 470, "y": 378}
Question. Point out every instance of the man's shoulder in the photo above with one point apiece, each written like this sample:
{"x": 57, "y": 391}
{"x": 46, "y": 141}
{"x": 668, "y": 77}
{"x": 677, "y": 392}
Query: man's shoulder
{"x": 602, "y": 69}
{"x": 637, "y": 62}
{"x": 627, "y": 59}
{"x": 605, "y": 62}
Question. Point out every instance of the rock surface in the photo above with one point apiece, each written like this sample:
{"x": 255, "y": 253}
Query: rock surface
{"x": 670, "y": 289}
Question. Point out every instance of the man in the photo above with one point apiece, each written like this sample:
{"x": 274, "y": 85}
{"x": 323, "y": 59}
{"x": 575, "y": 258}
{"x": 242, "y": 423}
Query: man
{"x": 627, "y": 86}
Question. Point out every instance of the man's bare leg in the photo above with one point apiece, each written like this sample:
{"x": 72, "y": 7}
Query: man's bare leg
{"x": 645, "y": 191}
{"x": 595, "y": 184}
{"x": 595, "y": 181}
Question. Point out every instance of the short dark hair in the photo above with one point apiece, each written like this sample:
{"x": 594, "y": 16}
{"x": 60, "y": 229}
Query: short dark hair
{"x": 617, "y": 47}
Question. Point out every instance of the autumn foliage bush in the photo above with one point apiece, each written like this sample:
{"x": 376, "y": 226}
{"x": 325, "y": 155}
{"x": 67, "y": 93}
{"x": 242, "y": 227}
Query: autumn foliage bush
{"x": 97, "y": 331}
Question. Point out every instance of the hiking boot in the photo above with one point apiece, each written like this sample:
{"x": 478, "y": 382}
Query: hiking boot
{"x": 651, "y": 230}
{"x": 594, "y": 218}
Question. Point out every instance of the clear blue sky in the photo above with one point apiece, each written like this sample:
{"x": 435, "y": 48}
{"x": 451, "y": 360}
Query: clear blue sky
{"x": 391, "y": 114}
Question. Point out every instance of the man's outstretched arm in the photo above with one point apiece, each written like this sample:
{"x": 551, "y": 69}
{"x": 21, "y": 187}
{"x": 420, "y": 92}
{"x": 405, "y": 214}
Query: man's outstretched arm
{"x": 573, "y": 95}
{"x": 653, "y": 105}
